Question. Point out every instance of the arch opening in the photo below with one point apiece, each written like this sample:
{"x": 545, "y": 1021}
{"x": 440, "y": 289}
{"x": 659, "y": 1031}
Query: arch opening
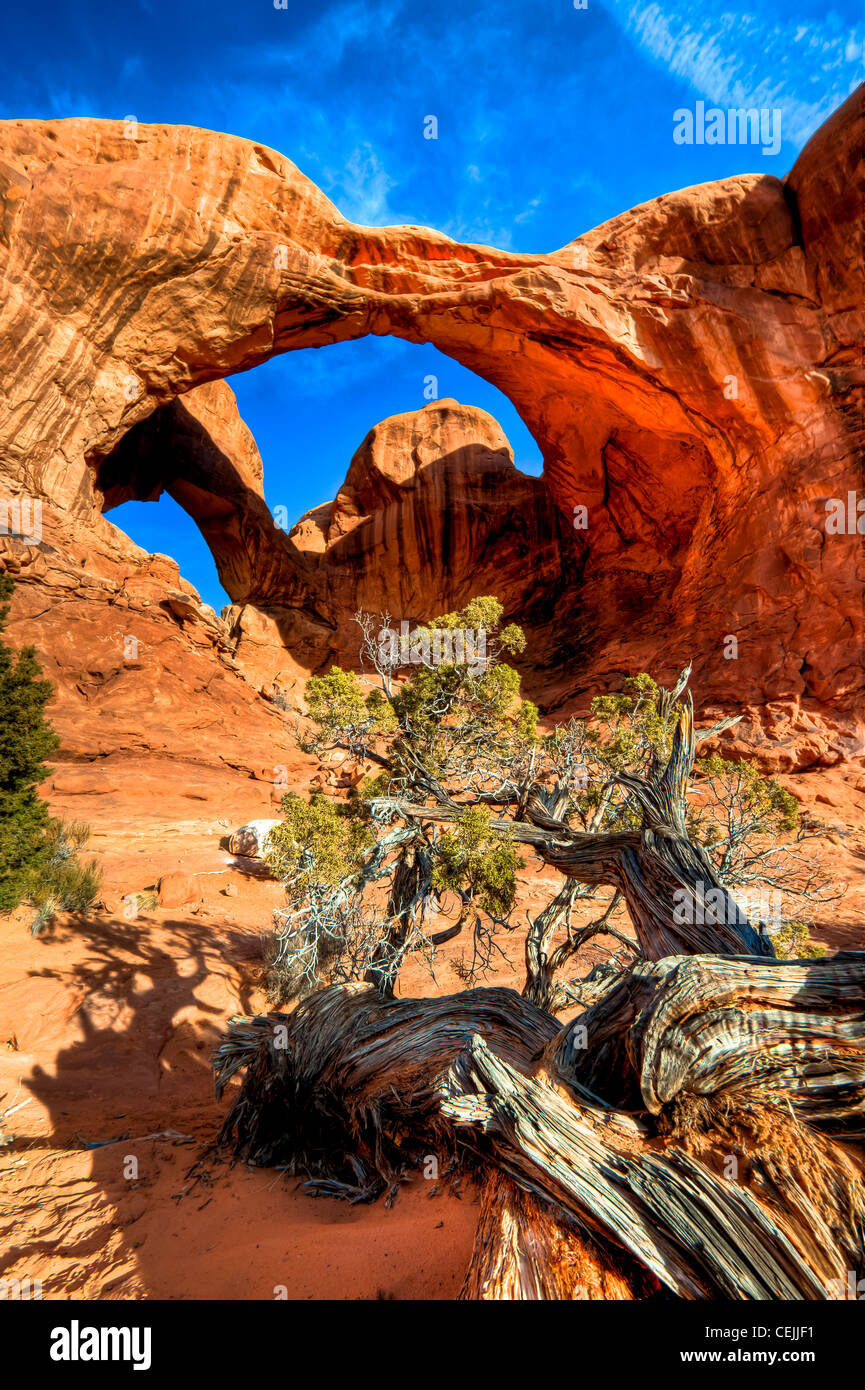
{"x": 414, "y": 540}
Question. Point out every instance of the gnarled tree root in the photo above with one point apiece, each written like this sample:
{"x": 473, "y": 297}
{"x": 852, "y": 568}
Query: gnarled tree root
{"x": 524, "y": 1249}
{"x": 649, "y": 1151}
{"x": 702, "y": 1234}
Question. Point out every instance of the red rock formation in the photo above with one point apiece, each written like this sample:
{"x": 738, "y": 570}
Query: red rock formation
{"x": 199, "y": 451}
{"x": 134, "y": 274}
{"x": 432, "y": 512}
{"x": 140, "y": 666}
{"x": 688, "y": 369}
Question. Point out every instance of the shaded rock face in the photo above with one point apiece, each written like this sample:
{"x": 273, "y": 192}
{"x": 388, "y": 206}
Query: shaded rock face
{"x": 432, "y": 513}
{"x": 199, "y": 451}
{"x": 690, "y": 371}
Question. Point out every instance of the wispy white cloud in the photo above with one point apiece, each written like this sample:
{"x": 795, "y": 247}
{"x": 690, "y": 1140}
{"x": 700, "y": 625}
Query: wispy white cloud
{"x": 477, "y": 229}
{"x": 360, "y": 187}
{"x": 529, "y": 210}
{"x": 733, "y": 59}
{"x": 53, "y": 102}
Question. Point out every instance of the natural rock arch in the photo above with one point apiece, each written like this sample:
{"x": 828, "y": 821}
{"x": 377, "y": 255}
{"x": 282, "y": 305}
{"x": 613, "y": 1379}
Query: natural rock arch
{"x": 686, "y": 368}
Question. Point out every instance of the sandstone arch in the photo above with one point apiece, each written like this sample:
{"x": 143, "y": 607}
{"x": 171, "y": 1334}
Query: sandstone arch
{"x": 138, "y": 270}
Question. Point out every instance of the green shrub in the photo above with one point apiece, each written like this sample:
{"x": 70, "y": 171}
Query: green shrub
{"x": 38, "y": 854}
{"x": 64, "y": 883}
{"x": 317, "y": 843}
{"x": 26, "y": 740}
{"x": 793, "y": 942}
{"x": 473, "y": 858}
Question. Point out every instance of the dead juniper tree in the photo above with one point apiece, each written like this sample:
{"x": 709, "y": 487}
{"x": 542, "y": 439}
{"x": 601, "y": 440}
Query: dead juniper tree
{"x": 427, "y": 848}
{"x": 600, "y": 1142}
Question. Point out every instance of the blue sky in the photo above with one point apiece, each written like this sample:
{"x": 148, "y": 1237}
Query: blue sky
{"x": 550, "y": 120}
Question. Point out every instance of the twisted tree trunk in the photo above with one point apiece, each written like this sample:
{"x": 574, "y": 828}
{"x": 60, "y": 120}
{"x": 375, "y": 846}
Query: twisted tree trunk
{"x": 676, "y": 901}
{"x": 645, "y": 1122}
{"x": 524, "y": 1250}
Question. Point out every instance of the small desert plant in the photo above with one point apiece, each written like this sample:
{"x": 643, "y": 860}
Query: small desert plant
{"x": 793, "y": 941}
{"x": 281, "y": 978}
{"x": 64, "y": 883}
{"x": 291, "y": 962}
{"x": 280, "y": 699}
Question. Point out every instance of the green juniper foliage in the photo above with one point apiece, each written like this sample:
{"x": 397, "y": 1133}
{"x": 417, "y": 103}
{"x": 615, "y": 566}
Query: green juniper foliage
{"x": 38, "y": 860}
{"x": 793, "y": 942}
{"x": 486, "y": 864}
{"x": 763, "y": 798}
{"x": 26, "y": 740}
{"x": 425, "y": 847}
{"x": 441, "y": 732}
{"x": 318, "y": 842}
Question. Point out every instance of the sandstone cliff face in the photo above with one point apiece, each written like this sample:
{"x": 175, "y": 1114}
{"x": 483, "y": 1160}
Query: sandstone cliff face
{"x": 432, "y": 513}
{"x": 141, "y": 668}
{"x": 436, "y": 495}
{"x": 689, "y": 370}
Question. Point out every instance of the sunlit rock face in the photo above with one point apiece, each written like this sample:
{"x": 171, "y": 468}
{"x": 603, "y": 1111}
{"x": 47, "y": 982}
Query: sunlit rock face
{"x": 690, "y": 371}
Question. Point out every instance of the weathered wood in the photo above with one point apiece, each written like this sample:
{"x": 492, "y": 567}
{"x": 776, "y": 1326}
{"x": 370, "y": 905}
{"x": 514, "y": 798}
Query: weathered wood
{"x": 701, "y": 1235}
{"x": 543, "y": 959}
{"x": 343, "y": 1088}
{"x": 665, "y": 877}
{"x": 524, "y": 1250}
{"x": 353, "y": 1092}
{"x": 778, "y": 1031}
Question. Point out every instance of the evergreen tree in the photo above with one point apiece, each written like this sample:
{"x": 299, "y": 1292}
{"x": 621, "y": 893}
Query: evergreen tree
{"x": 26, "y": 740}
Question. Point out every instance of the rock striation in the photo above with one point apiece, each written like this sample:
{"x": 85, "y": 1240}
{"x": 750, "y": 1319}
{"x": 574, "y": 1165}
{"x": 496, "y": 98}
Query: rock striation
{"x": 432, "y": 513}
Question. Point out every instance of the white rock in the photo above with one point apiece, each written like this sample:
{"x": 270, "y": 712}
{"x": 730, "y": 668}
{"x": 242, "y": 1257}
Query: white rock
{"x": 251, "y": 839}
